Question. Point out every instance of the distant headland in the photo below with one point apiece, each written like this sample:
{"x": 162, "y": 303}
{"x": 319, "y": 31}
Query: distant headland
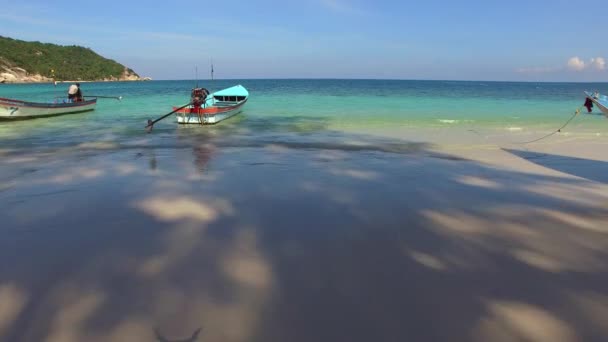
{"x": 36, "y": 62}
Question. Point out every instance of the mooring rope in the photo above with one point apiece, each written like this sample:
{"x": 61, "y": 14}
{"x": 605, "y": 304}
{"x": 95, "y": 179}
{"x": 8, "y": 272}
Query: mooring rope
{"x": 577, "y": 112}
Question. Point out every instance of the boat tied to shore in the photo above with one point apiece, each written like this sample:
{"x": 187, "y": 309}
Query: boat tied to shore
{"x": 210, "y": 108}
{"x": 597, "y": 99}
{"x": 11, "y": 109}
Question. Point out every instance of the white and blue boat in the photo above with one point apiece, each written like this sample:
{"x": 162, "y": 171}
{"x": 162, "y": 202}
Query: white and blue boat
{"x": 599, "y": 100}
{"x": 212, "y": 108}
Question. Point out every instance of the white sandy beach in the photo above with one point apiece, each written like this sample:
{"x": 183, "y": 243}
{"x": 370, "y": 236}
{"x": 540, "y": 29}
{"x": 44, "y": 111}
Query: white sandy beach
{"x": 354, "y": 240}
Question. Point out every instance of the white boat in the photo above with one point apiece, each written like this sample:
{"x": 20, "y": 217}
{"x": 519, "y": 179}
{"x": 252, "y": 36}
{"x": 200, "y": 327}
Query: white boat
{"x": 16, "y": 109}
{"x": 599, "y": 100}
{"x": 216, "y": 107}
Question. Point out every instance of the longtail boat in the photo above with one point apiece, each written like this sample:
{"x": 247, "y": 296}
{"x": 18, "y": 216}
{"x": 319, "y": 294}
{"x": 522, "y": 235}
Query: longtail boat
{"x": 210, "y": 108}
{"x": 16, "y": 109}
{"x": 597, "y": 99}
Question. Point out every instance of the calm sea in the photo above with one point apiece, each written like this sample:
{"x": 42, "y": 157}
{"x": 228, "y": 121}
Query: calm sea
{"x": 293, "y": 109}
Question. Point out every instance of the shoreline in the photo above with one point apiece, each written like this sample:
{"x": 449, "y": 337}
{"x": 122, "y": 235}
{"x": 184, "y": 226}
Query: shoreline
{"x": 88, "y": 81}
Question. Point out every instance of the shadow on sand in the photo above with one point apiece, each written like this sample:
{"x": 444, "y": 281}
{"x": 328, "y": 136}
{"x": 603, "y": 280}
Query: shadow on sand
{"x": 288, "y": 240}
{"x": 594, "y": 170}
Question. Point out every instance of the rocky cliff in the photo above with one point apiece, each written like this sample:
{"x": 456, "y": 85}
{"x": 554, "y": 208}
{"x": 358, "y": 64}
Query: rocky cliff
{"x": 9, "y": 73}
{"x": 22, "y": 62}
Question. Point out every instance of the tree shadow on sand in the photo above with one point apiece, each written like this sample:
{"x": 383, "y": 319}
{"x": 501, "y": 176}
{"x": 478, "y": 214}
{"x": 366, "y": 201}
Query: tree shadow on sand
{"x": 351, "y": 238}
{"x": 595, "y": 170}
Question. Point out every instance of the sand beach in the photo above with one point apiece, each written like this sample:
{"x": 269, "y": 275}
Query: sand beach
{"x": 260, "y": 230}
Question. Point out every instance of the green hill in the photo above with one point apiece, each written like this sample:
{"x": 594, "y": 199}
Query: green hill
{"x": 67, "y": 62}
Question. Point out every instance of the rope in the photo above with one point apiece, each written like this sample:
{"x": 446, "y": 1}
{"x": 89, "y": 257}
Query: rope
{"x": 555, "y": 132}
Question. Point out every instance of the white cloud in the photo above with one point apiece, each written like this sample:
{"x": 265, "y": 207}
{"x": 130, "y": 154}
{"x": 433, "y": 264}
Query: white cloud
{"x": 598, "y": 63}
{"x": 576, "y": 64}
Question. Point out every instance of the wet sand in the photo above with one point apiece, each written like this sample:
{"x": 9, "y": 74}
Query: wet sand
{"x": 353, "y": 240}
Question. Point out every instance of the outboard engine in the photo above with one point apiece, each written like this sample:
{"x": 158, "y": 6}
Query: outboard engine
{"x": 198, "y": 97}
{"x": 589, "y": 105}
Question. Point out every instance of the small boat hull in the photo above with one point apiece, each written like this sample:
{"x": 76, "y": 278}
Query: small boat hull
{"x": 18, "y": 110}
{"x": 218, "y": 107}
{"x": 208, "y": 116}
{"x": 600, "y": 102}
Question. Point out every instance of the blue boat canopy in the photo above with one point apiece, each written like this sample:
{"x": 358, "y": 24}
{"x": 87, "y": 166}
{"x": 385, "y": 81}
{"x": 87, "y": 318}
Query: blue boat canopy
{"x": 233, "y": 94}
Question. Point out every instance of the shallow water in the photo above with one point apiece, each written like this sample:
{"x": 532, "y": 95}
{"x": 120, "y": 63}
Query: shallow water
{"x": 293, "y": 109}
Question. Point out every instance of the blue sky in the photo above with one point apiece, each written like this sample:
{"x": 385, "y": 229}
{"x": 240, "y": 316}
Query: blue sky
{"x": 533, "y": 40}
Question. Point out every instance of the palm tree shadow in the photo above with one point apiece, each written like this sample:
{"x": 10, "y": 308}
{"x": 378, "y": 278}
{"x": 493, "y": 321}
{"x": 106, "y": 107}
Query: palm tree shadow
{"x": 595, "y": 170}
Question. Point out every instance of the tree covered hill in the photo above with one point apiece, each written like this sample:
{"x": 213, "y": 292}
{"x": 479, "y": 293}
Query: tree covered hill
{"x": 59, "y": 62}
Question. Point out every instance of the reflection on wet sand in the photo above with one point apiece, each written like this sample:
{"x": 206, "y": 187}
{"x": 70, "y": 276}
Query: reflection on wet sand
{"x": 202, "y": 156}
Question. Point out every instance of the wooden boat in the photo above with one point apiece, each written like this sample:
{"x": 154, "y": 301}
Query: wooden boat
{"x": 15, "y": 109}
{"x": 599, "y": 100}
{"x": 215, "y": 107}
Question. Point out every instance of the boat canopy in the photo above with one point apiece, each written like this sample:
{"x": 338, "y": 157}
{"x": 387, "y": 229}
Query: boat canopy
{"x": 233, "y": 94}
{"x": 229, "y": 98}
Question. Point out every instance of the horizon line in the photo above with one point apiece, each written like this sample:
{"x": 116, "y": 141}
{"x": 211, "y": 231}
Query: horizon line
{"x": 365, "y": 79}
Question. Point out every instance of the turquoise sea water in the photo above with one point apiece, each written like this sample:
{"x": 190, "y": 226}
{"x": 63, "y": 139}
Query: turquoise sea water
{"x": 300, "y": 107}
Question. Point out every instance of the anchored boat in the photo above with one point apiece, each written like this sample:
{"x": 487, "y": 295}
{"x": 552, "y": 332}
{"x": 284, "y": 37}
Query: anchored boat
{"x": 597, "y": 99}
{"x": 16, "y": 109}
{"x": 209, "y": 109}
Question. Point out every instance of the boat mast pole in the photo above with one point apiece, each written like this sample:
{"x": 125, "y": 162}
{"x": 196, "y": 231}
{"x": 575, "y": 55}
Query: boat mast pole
{"x": 213, "y": 97}
{"x": 196, "y": 75}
